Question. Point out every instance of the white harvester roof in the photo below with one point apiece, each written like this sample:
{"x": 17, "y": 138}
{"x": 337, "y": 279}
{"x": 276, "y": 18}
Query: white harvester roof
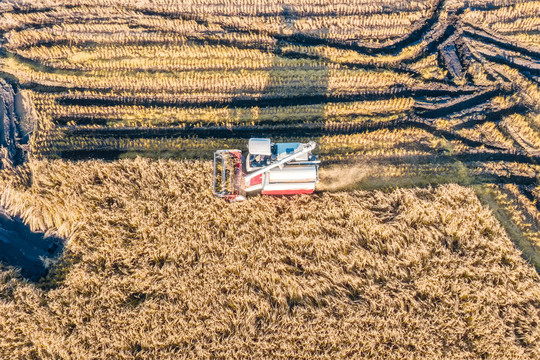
{"x": 258, "y": 146}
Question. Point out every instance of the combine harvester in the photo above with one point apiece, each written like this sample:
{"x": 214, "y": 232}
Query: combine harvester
{"x": 269, "y": 169}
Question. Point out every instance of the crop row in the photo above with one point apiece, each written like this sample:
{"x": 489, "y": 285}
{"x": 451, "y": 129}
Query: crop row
{"x": 519, "y": 126}
{"x": 507, "y": 169}
{"x": 519, "y": 17}
{"x": 514, "y": 207}
{"x": 523, "y": 24}
{"x": 188, "y": 64}
{"x": 81, "y": 55}
{"x": 53, "y": 143}
{"x": 28, "y": 13}
{"x": 123, "y": 34}
{"x": 157, "y": 29}
{"x": 527, "y": 90}
{"x": 371, "y": 155}
{"x": 333, "y": 27}
{"x": 47, "y": 17}
{"x": 289, "y": 82}
{"x": 530, "y": 40}
{"x": 378, "y": 142}
{"x": 166, "y": 116}
{"x": 488, "y": 133}
{"x": 175, "y": 57}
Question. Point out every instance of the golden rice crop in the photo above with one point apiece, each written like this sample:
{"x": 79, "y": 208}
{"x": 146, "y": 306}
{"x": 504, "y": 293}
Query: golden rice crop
{"x": 156, "y": 267}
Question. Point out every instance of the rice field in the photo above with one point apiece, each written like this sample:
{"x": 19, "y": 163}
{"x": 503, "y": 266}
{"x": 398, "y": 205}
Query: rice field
{"x": 156, "y": 267}
{"x": 398, "y": 94}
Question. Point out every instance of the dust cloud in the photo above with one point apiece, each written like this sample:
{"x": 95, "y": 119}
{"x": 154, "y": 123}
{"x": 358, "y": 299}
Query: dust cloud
{"x": 342, "y": 177}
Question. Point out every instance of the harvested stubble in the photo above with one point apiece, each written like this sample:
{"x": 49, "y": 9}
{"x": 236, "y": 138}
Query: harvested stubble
{"x": 161, "y": 269}
{"x": 115, "y": 65}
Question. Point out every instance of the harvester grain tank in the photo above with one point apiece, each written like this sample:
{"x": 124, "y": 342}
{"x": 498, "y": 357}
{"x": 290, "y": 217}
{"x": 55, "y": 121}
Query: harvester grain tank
{"x": 268, "y": 168}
